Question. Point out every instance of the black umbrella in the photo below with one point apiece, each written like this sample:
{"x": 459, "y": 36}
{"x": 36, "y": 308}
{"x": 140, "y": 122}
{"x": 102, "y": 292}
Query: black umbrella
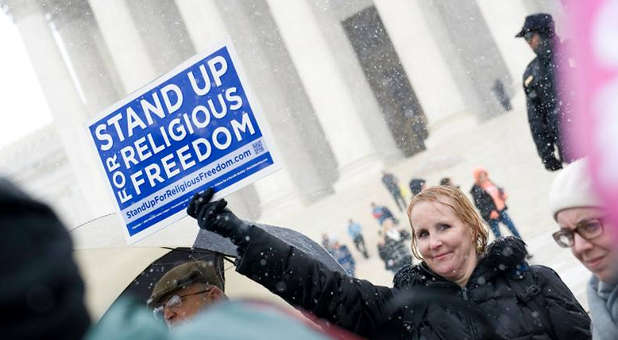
{"x": 211, "y": 247}
{"x": 141, "y": 287}
{"x": 110, "y": 266}
{"x": 210, "y": 241}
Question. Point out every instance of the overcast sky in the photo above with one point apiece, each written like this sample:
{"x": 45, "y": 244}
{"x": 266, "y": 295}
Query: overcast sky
{"x": 24, "y": 108}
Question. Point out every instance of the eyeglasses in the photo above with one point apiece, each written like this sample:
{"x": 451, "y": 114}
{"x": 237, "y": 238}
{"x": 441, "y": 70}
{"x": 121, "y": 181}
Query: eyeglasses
{"x": 174, "y": 301}
{"x": 587, "y": 229}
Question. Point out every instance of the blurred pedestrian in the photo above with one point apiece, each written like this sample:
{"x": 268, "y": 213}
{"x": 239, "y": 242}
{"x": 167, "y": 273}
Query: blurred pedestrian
{"x": 229, "y": 319}
{"x": 393, "y": 250}
{"x": 354, "y": 229}
{"x": 186, "y": 290}
{"x": 392, "y": 185}
{"x": 344, "y": 257}
{"x": 382, "y": 214}
{"x": 416, "y": 186}
{"x": 500, "y": 295}
{"x": 548, "y": 109}
{"x": 490, "y": 200}
{"x": 501, "y": 95}
{"x": 447, "y": 181}
{"x": 593, "y": 241}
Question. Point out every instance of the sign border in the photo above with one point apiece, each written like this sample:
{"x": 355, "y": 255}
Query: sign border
{"x": 257, "y": 113}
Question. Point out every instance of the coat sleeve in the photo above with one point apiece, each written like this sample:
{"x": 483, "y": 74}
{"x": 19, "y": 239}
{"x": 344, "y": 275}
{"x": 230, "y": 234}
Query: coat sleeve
{"x": 541, "y": 133}
{"x": 353, "y": 304}
{"x": 567, "y": 317}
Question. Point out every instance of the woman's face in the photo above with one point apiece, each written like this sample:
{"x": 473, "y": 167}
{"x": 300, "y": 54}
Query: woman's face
{"x": 600, "y": 254}
{"x": 444, "y": 241}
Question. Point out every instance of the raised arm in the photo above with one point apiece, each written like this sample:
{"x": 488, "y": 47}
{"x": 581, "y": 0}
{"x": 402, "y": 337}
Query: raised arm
{"x": 302, "y": 281}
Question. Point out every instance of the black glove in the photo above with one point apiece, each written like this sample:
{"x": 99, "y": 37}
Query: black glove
{"x": 215, "y": 217}
{"x": 552, "y": 164}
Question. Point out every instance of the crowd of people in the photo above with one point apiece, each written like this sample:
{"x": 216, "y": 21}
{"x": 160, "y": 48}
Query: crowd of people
{"x": 489, "y": 198}
{"x": 392, "y": 244}
{"x": 461, "y": 286}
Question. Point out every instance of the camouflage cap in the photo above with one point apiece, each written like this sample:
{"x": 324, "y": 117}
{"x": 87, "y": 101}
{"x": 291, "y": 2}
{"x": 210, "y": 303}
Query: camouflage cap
{"x": 184, "y": 275}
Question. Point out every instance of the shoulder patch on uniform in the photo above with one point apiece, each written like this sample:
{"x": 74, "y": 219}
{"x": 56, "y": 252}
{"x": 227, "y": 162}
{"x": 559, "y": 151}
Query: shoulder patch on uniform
{"x": 528, "y": 80}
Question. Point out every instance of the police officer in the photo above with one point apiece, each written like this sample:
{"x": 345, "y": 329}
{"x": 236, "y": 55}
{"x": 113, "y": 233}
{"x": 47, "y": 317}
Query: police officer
{"x": 546, "y": 110}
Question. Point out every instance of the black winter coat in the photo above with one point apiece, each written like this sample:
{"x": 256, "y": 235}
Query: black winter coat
{"x": 422, "y": 304}
{"x": 416, "y": 185}
{"x": 519, "y": 300}
{"x": 483, "y": 202}
{"x": 546, "y": 104}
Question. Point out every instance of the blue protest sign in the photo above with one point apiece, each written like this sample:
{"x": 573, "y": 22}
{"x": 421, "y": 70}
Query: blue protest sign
{"x": 193, "y": 128}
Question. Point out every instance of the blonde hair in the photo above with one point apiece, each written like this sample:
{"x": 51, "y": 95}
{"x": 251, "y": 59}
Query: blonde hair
{"x": 460, "y": 205}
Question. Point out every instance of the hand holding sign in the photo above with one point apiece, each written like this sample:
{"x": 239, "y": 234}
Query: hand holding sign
{"x": 214, "y": 216}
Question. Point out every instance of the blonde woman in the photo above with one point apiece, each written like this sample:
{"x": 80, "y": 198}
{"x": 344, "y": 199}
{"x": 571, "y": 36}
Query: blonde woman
{"x": 462, "y": 289}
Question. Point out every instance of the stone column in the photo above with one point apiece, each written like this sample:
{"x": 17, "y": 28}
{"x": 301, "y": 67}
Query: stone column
{"x": 275, "y": 86}
{"x": 206, "y": 28}
{"x": 70, "y": 114}
{"x": 126, "y": 47}
{"x": 163, "y": 31}
{"x": 474, "y": 59}
{"x": 327, "y": 90}
{"x": 420, "y": 56}
{"x": 365, "y": 104}
{"x": 204, "y": 23}
{"x": 505, "y": 19}
{"x": 86, "y": 53}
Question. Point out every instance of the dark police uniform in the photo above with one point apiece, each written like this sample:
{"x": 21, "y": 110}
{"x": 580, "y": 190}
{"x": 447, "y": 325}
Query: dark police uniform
{"x": 545, "y": 109}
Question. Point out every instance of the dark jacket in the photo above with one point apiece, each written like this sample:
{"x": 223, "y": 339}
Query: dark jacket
{"x": 42, "y": 293}
{"x": 395, "y": 253}
{"x": 405, "y": 312}
{"x": 483, "y": 201}
{"x": 382, "y": 213}
{"x": 345, "y": 259}
{"x": 520, "y": 301}
{"x": 547, "y": 107}
{"x": 416, "y": 185}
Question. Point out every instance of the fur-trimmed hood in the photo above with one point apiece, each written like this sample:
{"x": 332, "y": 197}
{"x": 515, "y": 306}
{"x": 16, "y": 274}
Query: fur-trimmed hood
{"x": 505, "y": 256}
